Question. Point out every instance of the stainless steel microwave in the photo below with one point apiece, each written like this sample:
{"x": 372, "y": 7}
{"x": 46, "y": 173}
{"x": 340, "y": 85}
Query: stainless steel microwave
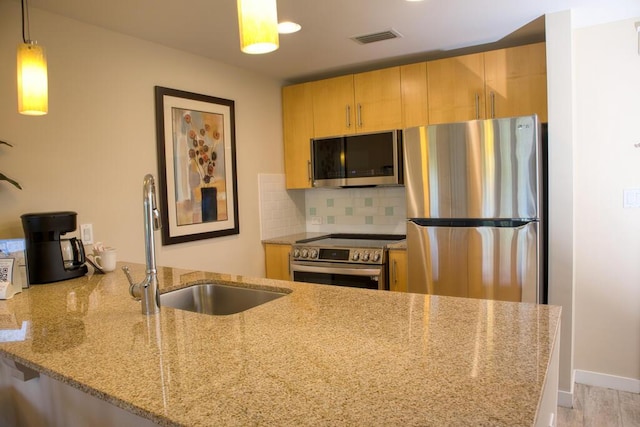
{"x": 358, "y": 160}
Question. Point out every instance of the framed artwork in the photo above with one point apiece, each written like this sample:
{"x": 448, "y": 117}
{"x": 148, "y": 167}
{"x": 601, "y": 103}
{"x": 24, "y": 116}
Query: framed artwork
{"x": 196, "y": 166}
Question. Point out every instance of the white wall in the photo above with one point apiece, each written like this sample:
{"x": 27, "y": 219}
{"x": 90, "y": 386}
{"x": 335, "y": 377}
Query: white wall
{"x": 560, "y": 221}
{"x": 594, "y": 90}
{"x": 607, "y": 237}
{"x": 90, "y": 153}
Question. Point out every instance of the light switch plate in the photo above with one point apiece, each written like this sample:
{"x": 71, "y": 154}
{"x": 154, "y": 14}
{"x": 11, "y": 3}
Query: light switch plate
{"x": 86, "y": 233}
{"x": 631, "y": 198}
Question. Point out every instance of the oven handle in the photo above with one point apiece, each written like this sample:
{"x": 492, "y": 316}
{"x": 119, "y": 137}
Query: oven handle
{"x": 337, "y": 270}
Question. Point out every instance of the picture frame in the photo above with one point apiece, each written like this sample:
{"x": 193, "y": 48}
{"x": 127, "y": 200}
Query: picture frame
{"x": 196, "y": 146}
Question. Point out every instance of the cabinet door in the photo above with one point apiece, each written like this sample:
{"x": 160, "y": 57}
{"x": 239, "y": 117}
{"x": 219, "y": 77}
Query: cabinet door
{"x": 378, "y": 100}
{"x": 516, "y": 81}
{"x": 277, "y": 261}
{"x": 456, "y": 89}
{"x": 297, "y": 118}
{"x": 398, "y": 270}
{"x": 413, "y": 83}
{"x": 333, "y": 107}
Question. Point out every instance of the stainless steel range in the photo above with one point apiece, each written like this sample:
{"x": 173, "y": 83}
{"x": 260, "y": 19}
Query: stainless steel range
{"x": 356, "y": 260}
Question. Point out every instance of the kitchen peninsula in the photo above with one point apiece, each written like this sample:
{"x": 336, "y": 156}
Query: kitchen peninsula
{"x": 321, "y": 355}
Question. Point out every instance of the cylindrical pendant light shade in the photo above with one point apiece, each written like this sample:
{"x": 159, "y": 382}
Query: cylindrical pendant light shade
{"x": 32, "y": 80}
{"x": 258, "y": 24}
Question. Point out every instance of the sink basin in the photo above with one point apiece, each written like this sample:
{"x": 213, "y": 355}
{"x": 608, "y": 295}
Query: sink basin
{"x": 217, "y": 299}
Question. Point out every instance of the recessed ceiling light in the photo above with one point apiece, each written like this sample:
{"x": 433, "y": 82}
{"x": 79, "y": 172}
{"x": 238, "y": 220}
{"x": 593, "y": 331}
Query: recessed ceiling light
{"x": 288, "y": 27}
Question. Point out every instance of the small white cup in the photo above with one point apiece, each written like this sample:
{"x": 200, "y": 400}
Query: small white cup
{"x": 105, "y": 259}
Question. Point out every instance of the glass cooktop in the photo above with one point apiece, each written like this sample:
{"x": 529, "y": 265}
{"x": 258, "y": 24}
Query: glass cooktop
{"x": 354, "y": 240}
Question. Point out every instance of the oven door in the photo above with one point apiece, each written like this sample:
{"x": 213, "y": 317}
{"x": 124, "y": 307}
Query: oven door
{"x": 329, "y": 273}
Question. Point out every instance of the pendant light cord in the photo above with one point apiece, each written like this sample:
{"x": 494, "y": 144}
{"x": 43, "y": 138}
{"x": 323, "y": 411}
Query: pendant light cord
{"x": 25, "y": 39}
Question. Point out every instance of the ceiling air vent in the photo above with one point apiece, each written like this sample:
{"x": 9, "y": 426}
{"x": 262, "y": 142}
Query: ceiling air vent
{"x": 377, "y": 37}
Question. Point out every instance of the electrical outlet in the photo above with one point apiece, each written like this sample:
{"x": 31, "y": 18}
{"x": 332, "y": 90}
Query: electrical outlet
{"x": 316, "y": 220}
{"x": 86, "y": 233}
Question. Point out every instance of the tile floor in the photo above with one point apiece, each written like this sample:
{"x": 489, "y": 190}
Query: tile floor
{"x": 600, "y": 407}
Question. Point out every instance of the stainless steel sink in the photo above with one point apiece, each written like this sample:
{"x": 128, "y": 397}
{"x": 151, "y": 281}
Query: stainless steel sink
{"x": 217, "y": 299}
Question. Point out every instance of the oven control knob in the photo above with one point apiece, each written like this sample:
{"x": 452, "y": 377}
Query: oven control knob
{"x": 355, "y": 256}
{"x": 296, "y": 253}
{"x": 313, "y": 254}
{"x": 365, "y": 256}
{"x": 376, "y": 257}
{"x": 305, "y": 253}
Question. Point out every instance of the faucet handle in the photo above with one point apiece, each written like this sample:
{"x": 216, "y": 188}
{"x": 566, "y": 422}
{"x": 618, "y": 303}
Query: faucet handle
{"x": 133, "y": 287}
{"x": 125, "y": 269}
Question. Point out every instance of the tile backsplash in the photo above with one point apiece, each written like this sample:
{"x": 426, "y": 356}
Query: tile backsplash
{"x": 281, "y": 211}
{"x": 356, "y": 210}
{"x": 379, "y": 210}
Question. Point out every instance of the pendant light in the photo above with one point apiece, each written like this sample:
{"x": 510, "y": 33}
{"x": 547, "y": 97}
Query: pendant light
{"x": 32, "y": 73}
{"x": 258, "y": 24}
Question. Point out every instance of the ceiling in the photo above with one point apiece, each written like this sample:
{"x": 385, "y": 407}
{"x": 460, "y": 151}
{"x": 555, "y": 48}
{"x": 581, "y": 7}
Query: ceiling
{"x": 429, "y": 28}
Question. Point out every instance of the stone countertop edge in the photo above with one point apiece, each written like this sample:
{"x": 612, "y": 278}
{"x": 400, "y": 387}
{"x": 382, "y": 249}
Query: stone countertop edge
{"x": 322, "y": 355}
{"x": 290, "y": 239}
{"x": 293, "y": 238}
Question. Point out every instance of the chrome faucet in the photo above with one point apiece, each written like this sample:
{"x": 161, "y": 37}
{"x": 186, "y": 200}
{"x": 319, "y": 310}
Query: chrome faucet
{"x": 147, "y": 290}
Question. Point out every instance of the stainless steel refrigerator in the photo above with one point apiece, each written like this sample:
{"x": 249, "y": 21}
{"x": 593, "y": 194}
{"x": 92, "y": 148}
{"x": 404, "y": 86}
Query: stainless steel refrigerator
{"x": 473, "y": 207}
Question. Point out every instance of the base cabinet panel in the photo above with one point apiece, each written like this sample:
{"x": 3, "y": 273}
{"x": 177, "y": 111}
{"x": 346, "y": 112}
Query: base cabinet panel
{"x": 277, "y": 261}
{"x": 398, "y": 271}
{"x": 44, "y": 401}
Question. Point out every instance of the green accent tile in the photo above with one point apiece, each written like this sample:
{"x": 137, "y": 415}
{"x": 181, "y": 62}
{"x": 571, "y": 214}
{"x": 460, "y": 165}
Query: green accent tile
{"x": 329, "y": 203}
{"x": 312, "y": 211}
{"x": 348, "y": 211}
{"x": 388, "y": 211}
{"x": 368, "y": 201}
{"x": 368, "y": 220}
{"x": 331, "y": 219}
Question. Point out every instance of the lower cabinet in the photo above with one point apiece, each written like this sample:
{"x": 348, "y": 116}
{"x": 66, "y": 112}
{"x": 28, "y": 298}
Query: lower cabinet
{"x": 39, "y": 400}
{"x": 277, "y": 261}
{"x": 398, "y": 270}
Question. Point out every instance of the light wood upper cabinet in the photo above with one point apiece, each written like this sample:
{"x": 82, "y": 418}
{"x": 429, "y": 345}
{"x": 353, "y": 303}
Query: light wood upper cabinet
{"x": 413, "y": 84}
{"x": 516, "y": 81}
{"x": 501, "y": 83}
{"x": 297, "y": 117}
{"x": 333, "y": 110}
{"x": 398, "y": 270}
{"x": 456, "y": 88}
{"x": 378, "y": 100}
{"x": 277, "y": 261}
{"x": 356, "y": 103}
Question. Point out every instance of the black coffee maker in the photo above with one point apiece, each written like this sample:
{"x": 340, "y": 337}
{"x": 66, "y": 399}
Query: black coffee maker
{"x": 46, "y": 260}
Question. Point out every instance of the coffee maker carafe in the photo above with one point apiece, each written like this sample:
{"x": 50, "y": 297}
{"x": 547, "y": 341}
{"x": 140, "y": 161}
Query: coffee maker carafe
{"x": 50, "y": 258}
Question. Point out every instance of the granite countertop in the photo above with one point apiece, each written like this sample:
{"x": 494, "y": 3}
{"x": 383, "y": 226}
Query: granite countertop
{"x": 322, "y": 355}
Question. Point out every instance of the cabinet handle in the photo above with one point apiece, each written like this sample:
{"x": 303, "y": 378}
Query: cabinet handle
{"x": 289, "y": 265}
{"x": 309, "y": 170}
{"x": 348, "y": 109}
{"x": 477, "y": 106}
{"x": 359, "y": 113}
{"x": 393, "y": 272}
{"x": 492, "y": 97}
